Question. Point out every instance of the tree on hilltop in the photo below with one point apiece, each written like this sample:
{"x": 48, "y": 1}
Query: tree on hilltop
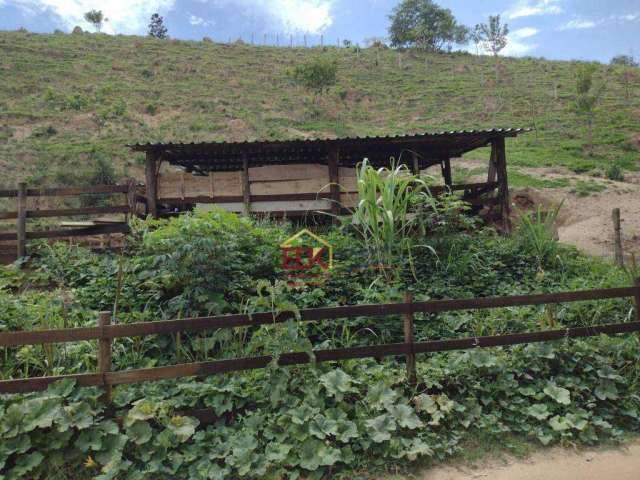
{"x": 624, "y": 61}
{"x": 157, "y": 28}
{"x": 493, "y": 36}
{"x": 425, "y": 25}
{"x": 95, "y": 18}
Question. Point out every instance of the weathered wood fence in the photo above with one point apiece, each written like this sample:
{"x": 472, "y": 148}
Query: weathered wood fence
{"x": 23, "y": 212}
{"x": 105, "y": 332}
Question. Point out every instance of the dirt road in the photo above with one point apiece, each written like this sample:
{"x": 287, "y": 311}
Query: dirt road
{"x": 556, "y": 464}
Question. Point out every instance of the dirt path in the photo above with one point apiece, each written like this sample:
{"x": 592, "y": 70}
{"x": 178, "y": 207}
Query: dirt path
{"x": 555, "y": 464}
{"x": 584, "y": 221}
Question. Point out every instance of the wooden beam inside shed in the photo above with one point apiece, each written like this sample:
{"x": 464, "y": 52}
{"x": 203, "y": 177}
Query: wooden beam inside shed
{"x": 151, "y": 177}
{"x": 246, "y": 186}
{"x": 446, "y": 172}
{"x": 415, "y": 163}
{"x": 493, "y": 164}
{"x": 334, "y": 178}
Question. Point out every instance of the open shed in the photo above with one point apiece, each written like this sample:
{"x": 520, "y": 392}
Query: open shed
{"x": 295, "y": 177}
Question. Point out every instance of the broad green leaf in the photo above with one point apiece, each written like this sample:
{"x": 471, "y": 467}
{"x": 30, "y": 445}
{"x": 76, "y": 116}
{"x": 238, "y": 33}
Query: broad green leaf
{"x": 381, "y": 427}
{"x": 337, "y": 383}
{"x": 559, "y": 394}
{"x": 380, "y": 396}
{"x": 606, "y": 390}
{"x": 144, "y": 410}
{"x": 482, "y": 358}
{"x": 314, "y": 454}
{"x": 62, "y": 388}
{"x": 425, "y": 403}
{"x": 405, "y": 416}
{"x": 559, "y": 424}
{"x": 321, "y": 427}
{"x": 140, "y": 432}
{"x": 539, "y": 411}
{"x": 579, "y": 422}
{"x": 418, "y": 449}
{"x": 25, "y": 464}
{"x": 182, "y": 427}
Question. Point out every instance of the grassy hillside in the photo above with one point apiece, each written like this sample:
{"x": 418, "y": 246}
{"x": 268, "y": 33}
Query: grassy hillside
{"x": 66, "y": 100}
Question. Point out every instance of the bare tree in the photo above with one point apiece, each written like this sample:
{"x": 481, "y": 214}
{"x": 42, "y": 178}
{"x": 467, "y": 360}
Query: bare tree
{"x": 493, "y": 35}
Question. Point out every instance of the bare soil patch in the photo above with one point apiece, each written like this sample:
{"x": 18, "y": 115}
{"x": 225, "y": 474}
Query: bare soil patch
{"x": 555, "y": 464}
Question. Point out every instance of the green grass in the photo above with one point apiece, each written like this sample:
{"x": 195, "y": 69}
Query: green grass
{"x": 103, "y": 92}
{"x": 518, "y": 179}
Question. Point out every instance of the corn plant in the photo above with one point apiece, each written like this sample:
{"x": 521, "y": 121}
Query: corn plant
{"x": 384, "y": 217}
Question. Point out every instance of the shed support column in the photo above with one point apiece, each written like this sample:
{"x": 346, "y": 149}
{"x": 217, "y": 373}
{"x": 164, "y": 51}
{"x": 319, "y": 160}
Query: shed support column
{"x": 415, "y": 163}
{"x": 493, "y": 164}
{"x": 446, "y": 172}
{"x": 503, "y": 184}
{"x": 151, "y": 177}
{"x": 334, "y": 179}
{"x": 246, "y": 186}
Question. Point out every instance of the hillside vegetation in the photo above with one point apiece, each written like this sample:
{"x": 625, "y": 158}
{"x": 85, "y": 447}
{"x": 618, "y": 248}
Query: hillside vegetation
{"x": 67, "y": 100}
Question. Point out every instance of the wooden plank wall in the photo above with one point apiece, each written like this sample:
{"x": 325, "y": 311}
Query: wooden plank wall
{"x": 310, "y": 183}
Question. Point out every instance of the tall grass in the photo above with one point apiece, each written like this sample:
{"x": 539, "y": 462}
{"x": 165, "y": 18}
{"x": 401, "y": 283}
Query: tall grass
{"x": 537, "y": 234}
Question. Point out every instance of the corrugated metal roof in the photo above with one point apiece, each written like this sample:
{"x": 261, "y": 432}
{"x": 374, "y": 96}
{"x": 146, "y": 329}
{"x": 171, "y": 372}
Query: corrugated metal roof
{"x": 309, "y": 141}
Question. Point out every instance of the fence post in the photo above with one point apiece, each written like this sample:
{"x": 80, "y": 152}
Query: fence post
{"x": 617, "y": 237}
{"x": 408, "y": 339}
{"x": 21, "y": 224}
{"x": 104, "y": 353}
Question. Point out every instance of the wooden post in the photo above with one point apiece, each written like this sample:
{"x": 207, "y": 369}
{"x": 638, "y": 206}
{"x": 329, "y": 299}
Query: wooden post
{"x": 131, "y": 199}
{"x": 408, "y": 338}
{"x": 415, "y": 163}
{"x": 334, "y": 179}
{"x": 446, "y": 172}
{"x": 493, "y": 164}
{"x": 21, "y": 224}
{"x": 503, "y": 183}
{"x": 246, "y": 186}
{"x": 151, "y": 177}
{"x": 617, "y": 237}
{"x": 104, "y": 353}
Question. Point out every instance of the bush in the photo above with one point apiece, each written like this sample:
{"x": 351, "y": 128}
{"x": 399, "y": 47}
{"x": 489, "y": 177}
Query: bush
{"x": 317, "y": 75}
{"x": 151, "y": 108}
{"x": 614, "y": 172}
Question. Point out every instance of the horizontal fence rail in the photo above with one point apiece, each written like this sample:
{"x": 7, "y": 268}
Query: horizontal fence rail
{"x": 24, "y": 212}
{"x": 106, "y": 332}
{"x": 67, "y": 191}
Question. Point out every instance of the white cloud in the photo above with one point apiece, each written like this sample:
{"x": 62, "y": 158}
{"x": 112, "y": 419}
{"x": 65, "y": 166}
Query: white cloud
{"x": 577, "y": 24}
{"x": 125, "y": 16}
{"x": 629, "y": 17}
{"x": 199, "y": 21}
{"x": 524, "y": 33}
{"x": 288, "y": 16}
{"x": 529, "y": 8}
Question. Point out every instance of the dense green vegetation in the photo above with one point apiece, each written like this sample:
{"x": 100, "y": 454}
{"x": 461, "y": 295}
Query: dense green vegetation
{"x": 344, "y": 420}
{"x": 66, "y": 99}
{"x": 69, "y": 102}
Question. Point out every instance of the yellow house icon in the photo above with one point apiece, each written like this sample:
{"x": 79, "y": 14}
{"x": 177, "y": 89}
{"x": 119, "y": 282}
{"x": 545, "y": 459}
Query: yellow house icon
{"x": 292, "y": 241}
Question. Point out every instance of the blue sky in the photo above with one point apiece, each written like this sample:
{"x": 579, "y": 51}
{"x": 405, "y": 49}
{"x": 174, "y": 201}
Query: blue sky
{"x": 557, "y": 29}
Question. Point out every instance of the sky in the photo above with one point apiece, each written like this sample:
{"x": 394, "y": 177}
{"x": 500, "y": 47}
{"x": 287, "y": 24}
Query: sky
{"x": 555, "y": 29}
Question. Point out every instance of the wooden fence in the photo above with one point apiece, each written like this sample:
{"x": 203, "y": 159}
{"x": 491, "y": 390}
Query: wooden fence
{"x": 105, "y": 332}
{"x": 23, "y": 212}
